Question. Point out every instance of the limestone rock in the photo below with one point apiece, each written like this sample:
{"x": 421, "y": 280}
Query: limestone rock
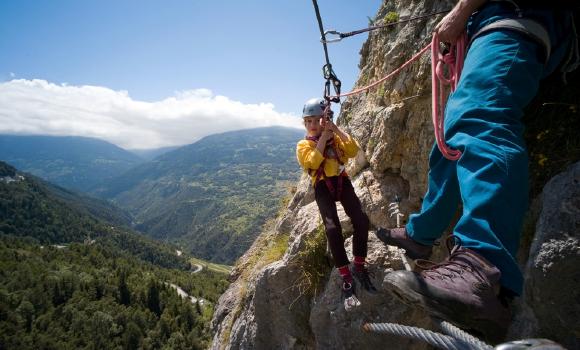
{"x": 335, "y": 328}
{"x": 550, "y": 306}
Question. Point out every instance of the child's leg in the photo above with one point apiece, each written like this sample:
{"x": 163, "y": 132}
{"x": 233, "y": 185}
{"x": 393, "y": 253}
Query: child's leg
{"x": 327, "y": 207}
{"x": 359, "y": 219}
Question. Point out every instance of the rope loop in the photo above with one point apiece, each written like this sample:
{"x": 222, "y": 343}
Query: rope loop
{"x": 453, "y": 61}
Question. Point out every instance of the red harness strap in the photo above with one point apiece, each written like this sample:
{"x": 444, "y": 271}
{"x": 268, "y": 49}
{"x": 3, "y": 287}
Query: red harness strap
{"x": 330, "y": 152}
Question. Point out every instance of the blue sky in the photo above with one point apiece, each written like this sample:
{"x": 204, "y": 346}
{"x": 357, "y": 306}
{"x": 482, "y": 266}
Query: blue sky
{"x": 251, "y": 52}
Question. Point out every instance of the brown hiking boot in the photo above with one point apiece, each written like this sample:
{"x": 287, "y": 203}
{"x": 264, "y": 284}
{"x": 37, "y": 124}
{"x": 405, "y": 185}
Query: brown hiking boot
{"x": 398, "y": 237}
{"x": 463, "y": 290}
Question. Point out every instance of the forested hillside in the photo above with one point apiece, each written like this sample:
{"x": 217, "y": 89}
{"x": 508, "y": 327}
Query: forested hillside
{"x": 213, "y": 196}
{"x": 70, "y": 280}
{"x": 89, "y": 296}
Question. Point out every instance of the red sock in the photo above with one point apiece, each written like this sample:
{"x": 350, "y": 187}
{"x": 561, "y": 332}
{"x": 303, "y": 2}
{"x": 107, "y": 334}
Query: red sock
{"x": 359, "y": 263}
{"x": 345, "y": 273}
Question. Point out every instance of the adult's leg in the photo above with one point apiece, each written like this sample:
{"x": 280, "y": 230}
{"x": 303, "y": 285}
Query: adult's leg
{"x": 327, "y": 207}
{"x": 440, "y": 202}
{"x": 483, "y": 119}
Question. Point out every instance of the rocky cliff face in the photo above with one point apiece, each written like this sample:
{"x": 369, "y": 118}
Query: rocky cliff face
{"x": 290, "y": 298}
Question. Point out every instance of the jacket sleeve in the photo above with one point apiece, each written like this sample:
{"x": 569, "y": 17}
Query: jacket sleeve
{"x": 350, "y": 147}
{"x": 308, "y": 155}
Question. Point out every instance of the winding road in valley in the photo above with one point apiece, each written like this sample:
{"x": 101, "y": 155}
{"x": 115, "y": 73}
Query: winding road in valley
{"x": 184, "y": 295}
{"x": 198, "y": 268}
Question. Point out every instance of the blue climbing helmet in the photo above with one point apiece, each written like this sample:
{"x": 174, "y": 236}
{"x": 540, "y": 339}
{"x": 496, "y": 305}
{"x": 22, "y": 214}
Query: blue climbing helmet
{"x": 314, "y": 107}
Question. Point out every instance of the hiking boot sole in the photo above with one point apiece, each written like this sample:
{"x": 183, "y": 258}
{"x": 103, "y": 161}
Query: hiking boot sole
{"x": 459, "y": 314}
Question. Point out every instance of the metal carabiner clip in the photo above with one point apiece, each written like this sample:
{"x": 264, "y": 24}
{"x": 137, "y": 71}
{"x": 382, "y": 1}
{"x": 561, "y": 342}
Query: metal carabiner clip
{"x": 331, "y": 32}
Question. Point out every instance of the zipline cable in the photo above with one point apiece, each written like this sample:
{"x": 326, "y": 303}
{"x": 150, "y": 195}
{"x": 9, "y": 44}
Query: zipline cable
{"x": 360, "y": 31}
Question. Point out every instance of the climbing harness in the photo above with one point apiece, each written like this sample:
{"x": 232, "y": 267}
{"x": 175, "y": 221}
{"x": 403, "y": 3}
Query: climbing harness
{"x": 330, "y": 152}
{"x": 526, "y": 26}
{"x": 538, "y": 32}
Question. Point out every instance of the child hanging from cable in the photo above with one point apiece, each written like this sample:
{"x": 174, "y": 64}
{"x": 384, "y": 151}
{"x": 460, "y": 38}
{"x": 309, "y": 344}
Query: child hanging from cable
{"x": 323, "y": 153}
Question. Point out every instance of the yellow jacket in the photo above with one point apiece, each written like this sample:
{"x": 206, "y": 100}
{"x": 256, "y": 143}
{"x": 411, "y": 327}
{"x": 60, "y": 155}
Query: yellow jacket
{"x": 310, "y": 157}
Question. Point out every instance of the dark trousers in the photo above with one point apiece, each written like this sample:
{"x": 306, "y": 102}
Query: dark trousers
{"x": 351, "y": 204}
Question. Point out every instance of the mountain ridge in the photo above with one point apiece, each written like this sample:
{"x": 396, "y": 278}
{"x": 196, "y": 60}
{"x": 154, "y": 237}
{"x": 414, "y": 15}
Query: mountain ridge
{"x": 211, "y": 196}
{"x": 74, "y": 162}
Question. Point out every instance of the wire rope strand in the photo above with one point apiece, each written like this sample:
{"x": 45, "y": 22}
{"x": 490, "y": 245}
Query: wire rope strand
{"x": 438, "y": 340}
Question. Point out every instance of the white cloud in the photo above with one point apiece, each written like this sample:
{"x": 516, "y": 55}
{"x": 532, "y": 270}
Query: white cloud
{"x": 42, "y": 108}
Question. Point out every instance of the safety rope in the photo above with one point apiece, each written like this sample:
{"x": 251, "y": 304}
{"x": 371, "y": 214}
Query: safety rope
{"x": 360, "y": 31}
{"x": 457, "y": 333}
{"x": 438, "y": 340}
{"x": 453, "y": 60}
{"x": 390, "y": 75}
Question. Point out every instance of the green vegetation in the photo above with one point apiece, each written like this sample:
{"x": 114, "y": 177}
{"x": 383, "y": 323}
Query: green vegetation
{"x": 381, "y": 91}
{"x": 276, "y": 249}
{"x": 225, "y": 269}
{"x": 312, "y": 263}
{"x": 70, "y": 280}
{"x": 211, "y": 197}
{"x": 93, "y": 297}
{"x": 285, "y": 200}
{"x": 32, "y": 208}
{"x": 26, "y": 209}
{"x": 391, "y": 17}
{"x": 7, "y": 170}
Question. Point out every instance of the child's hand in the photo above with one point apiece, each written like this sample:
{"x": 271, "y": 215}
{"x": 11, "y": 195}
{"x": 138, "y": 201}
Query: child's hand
{"x": 327, "y": 134}
{"x": 331, "y": 126}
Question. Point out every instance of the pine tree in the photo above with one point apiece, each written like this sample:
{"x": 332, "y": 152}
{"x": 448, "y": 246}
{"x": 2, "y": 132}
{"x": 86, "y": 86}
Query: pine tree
{"x": 153, "y": 298}
{"x": 124, "y": 293}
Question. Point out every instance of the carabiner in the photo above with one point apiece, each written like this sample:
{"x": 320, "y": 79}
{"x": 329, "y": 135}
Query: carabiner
{"x": 325, "y": 39}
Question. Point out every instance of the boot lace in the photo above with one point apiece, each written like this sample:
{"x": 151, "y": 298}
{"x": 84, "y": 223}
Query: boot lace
{"x": 451, "y": 267}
